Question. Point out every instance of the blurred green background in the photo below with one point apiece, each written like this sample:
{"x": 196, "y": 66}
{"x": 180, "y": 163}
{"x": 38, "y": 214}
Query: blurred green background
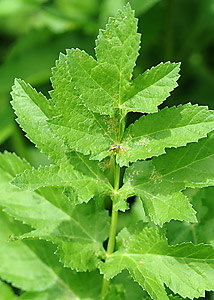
{"x": 33, "y": 32}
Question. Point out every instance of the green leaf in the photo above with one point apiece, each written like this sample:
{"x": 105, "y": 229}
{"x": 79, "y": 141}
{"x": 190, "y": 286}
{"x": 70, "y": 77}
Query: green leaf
{"x": 91, "y": 89}
{"x": 27, "y": 102}
{"x": 78, "y": 129}
{"x": 150, "y": 261}
{"x": 32, "y": 266}
{"x": 78, "y": 285}
{"x": 72, "y": 228}
{"x": 102, "y": 83}
{"x": 24, "y": 210}
{"x": 84, "y": 130}
{"x": 117, "y": 50}
{"x": 6, "y": 292}
{"x": 105, "y": 85}
{"x": 91, "y": 81}
{"x": 151, "y": 88}
{"x": 79, "y": 238}
{"x": 170, "y": 127}
{"x": 85, "y": 183}
{"x": 12, "y": 164}
{"x": 19, "y": 265}
{"x": 159, "y": 182}
{"x": 203, "y": 230}
{"x": 45, "y": 136}
{"x": 170, "y": 297}
{"x": 52, "y": 127}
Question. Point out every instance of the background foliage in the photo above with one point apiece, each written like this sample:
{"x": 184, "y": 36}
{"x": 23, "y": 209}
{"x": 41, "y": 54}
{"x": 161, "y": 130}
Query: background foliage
{"x": 33, "y": 32}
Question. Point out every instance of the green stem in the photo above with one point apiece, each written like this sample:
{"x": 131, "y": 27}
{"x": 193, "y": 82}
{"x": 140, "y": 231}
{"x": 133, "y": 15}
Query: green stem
{"x": 113, "y": 228}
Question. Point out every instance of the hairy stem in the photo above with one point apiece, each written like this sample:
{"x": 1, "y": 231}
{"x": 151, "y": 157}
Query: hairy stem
{"x": 113, "y": 228}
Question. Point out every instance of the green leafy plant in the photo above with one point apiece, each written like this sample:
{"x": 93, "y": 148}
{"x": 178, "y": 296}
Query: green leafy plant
{"x": 98, "y": 161}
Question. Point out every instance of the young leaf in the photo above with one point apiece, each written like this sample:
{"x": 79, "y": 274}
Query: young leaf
{"x": 151, "y": 88}
{"x": 170, "y": 127}
{"x": 117, "y": 50}
{"x": 84, "y": 130}
{"x": 102, "y": 83}
{"x": 150, "y": 261}
{"x": 91, "y": 82}
{"x": 159, "y": 182}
